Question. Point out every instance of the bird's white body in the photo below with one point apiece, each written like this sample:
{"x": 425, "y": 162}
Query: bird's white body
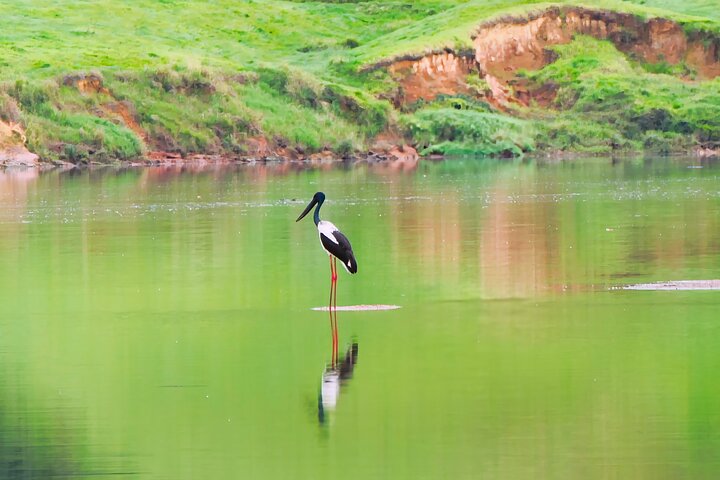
{"x": 326, "y": 229}
{"x": 329, "y": 232}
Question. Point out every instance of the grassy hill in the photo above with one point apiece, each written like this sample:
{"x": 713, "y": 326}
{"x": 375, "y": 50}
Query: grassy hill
{"x": 108, "y": 81}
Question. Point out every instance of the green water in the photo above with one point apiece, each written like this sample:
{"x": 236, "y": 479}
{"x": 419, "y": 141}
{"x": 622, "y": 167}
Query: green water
{"x": 156, "y": 323}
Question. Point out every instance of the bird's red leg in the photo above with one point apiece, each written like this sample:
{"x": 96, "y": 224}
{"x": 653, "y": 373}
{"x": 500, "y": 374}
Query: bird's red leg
{"x": 333, "y": 330}
{"x": 332, "y": 282}
{"x": 335, "y": 277}
{"x": 334, "y": 310}
{"x": 330, "y": 310}
{"x": 333, "y": 314}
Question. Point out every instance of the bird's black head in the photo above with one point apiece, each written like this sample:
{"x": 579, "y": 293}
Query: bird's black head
{"x": 318, "y": 198}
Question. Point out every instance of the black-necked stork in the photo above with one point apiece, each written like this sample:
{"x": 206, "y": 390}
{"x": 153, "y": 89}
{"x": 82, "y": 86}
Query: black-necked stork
{"x": 335, "y": 244}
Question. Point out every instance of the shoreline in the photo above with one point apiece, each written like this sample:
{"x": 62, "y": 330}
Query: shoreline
{"x": 408, "y": 162}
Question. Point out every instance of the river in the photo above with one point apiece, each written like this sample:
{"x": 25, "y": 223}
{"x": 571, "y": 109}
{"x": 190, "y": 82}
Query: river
{"x": 158, "y": 323}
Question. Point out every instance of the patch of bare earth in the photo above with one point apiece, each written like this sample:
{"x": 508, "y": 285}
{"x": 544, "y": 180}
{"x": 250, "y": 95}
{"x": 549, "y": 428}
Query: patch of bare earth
{"x": 122, "y": 112}
{"x": 86, "y": 83}
{"x": 12, "y": 146}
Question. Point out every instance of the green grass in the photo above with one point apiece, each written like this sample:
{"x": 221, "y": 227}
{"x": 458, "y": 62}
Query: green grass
{"x": 52, "y": 38}
{"x": 450, "y": 131}
{"x": 605, "y": 103}
{"x": 205, "y": 77}
{"x": 699, "y": 8}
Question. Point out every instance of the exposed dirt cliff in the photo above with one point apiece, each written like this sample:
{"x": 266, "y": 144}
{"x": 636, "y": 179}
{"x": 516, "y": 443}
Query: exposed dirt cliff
{"x": 505, "y": 46}
{"x": 429, "y": 76}
{"x": 12, "y": 146}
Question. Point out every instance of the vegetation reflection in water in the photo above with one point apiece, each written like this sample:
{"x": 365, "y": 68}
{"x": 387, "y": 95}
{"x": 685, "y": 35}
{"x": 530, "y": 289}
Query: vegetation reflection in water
{"x": 157, "y": 322}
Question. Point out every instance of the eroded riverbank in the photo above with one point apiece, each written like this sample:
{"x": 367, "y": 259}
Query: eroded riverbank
{"x": 553, "y": 79}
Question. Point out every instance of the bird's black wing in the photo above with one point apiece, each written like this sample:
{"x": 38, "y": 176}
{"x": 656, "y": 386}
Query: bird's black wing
{"x": 342, "y": 250}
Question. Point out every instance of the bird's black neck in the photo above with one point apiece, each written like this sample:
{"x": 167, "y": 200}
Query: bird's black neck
{"x": 316, "y": 215}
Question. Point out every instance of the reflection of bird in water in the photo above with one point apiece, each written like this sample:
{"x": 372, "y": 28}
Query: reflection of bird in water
{"x": 334, "y": 376}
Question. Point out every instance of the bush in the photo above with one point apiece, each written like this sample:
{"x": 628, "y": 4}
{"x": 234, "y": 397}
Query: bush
{"x": 350, "y": 43}
{"x": 32, "y": 96}
{"x": 448, "y": 130}
{"x": 274, "y": 78}
{"x": 571, "y": 134}
{"x": 194, "y": 82}
{"x": 74, "y": 154}
{"x": 344, "y": 149}
{"x": 355, "y": 106}
{"x": 664, "y": 142}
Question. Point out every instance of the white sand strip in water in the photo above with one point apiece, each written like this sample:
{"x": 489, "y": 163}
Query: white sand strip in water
{"x": 677, "y": 285}
{"x": 359, "y": 308}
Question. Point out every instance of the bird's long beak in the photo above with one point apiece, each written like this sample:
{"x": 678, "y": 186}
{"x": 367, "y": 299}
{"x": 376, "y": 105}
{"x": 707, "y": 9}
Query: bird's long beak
{"x": 307, "y": 209}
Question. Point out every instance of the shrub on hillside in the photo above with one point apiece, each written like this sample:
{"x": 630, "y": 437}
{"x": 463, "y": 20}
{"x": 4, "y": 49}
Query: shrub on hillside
{"x": 448, "y": 131}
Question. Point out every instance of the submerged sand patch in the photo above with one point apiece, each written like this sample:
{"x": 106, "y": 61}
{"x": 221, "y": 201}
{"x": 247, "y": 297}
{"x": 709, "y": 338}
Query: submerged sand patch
{"x": 676, "y": 285}
{"x": 359, "y": 308}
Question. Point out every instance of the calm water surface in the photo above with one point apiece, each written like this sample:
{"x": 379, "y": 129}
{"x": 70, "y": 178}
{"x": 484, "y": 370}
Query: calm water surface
{"x": 156, "y": 323}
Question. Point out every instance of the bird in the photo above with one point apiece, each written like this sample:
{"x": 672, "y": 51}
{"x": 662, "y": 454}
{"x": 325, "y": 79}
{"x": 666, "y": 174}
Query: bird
{"x": 335, "y": 244}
